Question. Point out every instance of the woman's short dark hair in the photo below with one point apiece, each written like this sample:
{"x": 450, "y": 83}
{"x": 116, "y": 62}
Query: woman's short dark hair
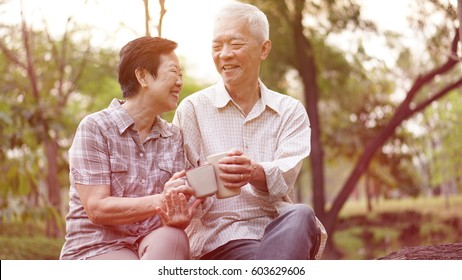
{"x": 143, "y": 53}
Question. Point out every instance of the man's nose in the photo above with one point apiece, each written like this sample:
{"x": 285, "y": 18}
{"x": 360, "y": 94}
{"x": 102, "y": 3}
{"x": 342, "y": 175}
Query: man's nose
{"x": 226, "y": 51}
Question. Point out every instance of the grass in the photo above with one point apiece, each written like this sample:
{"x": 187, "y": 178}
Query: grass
{"x": 360, "y": 234}
{"x": 29, "y": 248}
{"x": 393, "y": 224}
{"x": 425, "y": 205}
{"x": 27, "y": 242}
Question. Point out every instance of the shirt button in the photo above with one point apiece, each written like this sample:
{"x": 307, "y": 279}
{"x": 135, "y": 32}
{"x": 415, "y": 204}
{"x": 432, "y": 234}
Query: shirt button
{"x": 141, "y": 155}
{"x": 143, "y": 181}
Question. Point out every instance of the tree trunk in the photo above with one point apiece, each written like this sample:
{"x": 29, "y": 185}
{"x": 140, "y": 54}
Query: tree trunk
{"x": 51, "y": 147}
{"x": 459, "y": 16}
{"x": 54, "y": 193}
{"x": 307, "y": 71}
{"x": 368, "y": 192}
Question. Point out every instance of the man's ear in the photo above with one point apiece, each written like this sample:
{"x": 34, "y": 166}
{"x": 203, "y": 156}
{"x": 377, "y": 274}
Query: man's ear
{"x": 265, "y": 49}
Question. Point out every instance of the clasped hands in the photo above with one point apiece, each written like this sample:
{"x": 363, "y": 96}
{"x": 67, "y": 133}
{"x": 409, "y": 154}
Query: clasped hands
{"x": 177, "y": 212}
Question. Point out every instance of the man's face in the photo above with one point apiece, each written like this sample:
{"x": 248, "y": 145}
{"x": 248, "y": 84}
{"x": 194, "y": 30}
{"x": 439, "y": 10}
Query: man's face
{"x": 236, "y": 53}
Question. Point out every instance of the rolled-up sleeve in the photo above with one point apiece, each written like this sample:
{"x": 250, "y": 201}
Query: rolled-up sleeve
{"x": 88, "y": 156}
{"x": 293, "y": 145}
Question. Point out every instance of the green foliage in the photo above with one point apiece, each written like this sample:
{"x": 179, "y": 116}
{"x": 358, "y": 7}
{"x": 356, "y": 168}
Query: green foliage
{"x": 43, "y": 104}
{"x": 25, "y": 241}
{"x": 441, "y": 134}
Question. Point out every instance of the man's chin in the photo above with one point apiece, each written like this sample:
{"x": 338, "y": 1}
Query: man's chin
{"x": 228, "y": 80}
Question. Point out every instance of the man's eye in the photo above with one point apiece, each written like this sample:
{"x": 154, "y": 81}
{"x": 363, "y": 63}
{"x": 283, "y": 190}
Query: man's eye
{"x": 236, "y": 45}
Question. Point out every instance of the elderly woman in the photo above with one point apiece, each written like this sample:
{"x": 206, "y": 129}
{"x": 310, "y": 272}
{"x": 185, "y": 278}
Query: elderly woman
{"x": 127, "y": 196}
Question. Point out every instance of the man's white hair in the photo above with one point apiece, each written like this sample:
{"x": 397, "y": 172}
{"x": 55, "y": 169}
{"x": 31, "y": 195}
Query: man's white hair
{"x": 254, "y": 17}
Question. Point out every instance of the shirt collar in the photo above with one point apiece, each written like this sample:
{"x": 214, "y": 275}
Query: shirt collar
{"x": 123, "y": 120}
{"x": 222, "y": 97}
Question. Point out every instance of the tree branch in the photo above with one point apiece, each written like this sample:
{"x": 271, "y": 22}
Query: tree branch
{"x": 426, "y": 78}
{"x": 437, "y": 96}
{"x": 402, "y": 113}
{"x": 29, "y": 58}
{"x": 147, "y": 18}
{"x": 161, "y": 18}
{"x": 11, "y": 56}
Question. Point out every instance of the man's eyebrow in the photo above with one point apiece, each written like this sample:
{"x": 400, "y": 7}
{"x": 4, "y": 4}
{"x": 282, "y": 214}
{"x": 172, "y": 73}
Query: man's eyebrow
{"x": 228, "y": 38}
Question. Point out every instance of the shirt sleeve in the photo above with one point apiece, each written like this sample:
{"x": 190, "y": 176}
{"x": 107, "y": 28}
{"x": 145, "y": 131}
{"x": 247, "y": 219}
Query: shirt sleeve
{"x": 179, "y": 161}
{"x": 186, "y": 121}
{"x": 293, "y": 145}
{"x": 88, "y": 156}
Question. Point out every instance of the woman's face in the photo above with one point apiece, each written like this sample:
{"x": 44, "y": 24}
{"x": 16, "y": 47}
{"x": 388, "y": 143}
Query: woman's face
{"x": 165, "y": 88}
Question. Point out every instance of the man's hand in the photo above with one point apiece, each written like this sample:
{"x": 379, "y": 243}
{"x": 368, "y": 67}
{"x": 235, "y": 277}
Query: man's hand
{"x": 237, "y": 169}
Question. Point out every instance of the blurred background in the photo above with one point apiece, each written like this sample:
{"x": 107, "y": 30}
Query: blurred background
{"x": 380, "y": 81}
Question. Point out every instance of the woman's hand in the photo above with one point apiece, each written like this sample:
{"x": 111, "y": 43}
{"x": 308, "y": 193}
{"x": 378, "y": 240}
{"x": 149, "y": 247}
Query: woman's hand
{"x": 175, "y": 211}
{"x": 178, "y": 183}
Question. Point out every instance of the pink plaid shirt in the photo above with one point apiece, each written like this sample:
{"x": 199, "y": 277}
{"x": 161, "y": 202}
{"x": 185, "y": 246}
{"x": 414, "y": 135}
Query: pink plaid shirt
{"x": 108, "y": 151}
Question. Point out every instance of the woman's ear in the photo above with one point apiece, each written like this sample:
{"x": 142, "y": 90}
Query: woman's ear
{"x": 140, "y": 74}
{"x": 265, "y": 49}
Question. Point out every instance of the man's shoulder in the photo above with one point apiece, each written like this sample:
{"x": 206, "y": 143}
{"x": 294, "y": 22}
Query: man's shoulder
{"x": 282, "y": 101}
{"x": 281, "y": 96}
{"x": 200, "y": 97}
{"x": 201, "y": 94}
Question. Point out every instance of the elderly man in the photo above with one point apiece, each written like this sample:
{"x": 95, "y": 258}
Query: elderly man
{"x": 266, "y": 135}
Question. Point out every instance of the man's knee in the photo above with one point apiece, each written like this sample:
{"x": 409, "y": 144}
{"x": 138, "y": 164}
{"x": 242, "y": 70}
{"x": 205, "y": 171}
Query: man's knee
{"x": 302, "y": 212}
{"x": 304, "y": 218}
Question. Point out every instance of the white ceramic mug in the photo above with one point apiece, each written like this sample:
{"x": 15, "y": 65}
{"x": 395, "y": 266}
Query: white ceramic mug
{"x": 202, "y": 180}
{"x": 222, "y": 192}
